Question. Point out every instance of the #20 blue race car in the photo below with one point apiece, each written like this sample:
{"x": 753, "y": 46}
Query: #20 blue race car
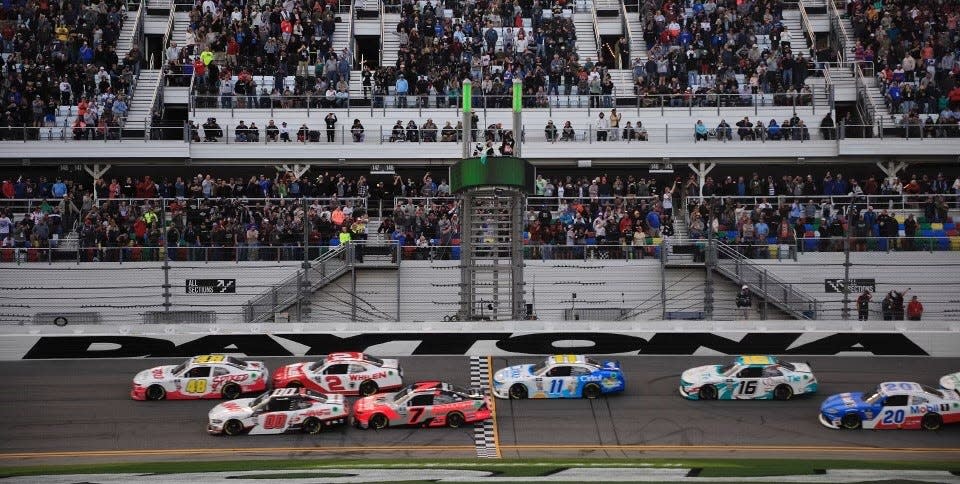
{"x": 559, "y": 376}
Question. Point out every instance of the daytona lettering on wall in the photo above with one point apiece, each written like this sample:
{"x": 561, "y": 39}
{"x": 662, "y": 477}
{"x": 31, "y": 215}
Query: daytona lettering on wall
{"x": 398, "y": 344}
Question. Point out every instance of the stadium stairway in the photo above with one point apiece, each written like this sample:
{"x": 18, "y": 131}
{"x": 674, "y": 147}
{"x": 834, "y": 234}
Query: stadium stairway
{"x": 638, "y": 48}
{"x": 875, "y": 97}
{"x": 586, "y": 39}
{"x": 798, "y": 43}
{"x": 141, "y": 102}
{"x": 390, "y": 42}
{"x": 181, "y": 22}
{"x": 125, "y": 38}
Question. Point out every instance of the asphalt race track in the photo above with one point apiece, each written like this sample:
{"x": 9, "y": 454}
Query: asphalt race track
{"x": 78, "y": 410}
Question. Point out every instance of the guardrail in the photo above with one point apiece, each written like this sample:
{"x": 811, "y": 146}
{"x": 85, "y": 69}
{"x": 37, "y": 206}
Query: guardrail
{"x": 892, "y": 202}
{"x": 738, "y": 268}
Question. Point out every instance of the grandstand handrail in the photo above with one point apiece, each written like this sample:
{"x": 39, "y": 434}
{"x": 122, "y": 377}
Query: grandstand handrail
{"x": 863, "y": 95}
{"x": 893, "y": 202}
{"x": 352, "y": 39}
{"x": 625, "y": 23}
{"x": 836, "y": 23}
{"x": 289, "y": 291}
{"x": 735, "y": 266}
{"x": 188, "y": 203}
{"x": 596, "y": 30}
{"x": 573, "y": 102}
{"x": 140, "y": 20}
{"x": 156, "y": 103}
{"x": 380, "y": 4}
{"x": 807, "y": 26}
{"x": 582, "y": 133}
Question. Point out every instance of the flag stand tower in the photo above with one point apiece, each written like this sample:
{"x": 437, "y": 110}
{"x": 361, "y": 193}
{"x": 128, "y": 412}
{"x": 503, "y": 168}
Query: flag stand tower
{"x": 493, "y": 194}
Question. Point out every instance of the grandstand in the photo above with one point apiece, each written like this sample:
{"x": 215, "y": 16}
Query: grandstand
{"x": 169, "y": 88}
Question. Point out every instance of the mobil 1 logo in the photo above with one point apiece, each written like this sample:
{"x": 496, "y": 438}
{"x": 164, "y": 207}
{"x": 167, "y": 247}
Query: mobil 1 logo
{"x": 211, "y": 286}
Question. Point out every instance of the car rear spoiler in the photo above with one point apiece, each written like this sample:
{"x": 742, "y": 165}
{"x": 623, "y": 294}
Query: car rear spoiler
{"x": 611, "y": 365}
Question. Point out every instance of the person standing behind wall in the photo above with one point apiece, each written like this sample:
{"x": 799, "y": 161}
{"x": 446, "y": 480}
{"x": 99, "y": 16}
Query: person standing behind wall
{"x": 914, "y": 309}
{"x": 744, "y": 302}
{"x": 863, "y": 306}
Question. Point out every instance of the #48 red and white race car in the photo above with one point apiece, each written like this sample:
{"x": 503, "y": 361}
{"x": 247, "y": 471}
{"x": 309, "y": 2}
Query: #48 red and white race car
{"x": 347, "y": 373}
{"x": 204, "y": 376}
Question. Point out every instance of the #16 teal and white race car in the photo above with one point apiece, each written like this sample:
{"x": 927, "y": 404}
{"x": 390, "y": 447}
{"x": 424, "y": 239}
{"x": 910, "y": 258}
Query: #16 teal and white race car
{"x": 748, "y": 378}
{"x": 559, "y": 376}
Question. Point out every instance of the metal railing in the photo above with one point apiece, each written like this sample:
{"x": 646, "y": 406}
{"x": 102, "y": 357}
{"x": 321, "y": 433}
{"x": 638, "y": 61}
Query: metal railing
{"x": 391, "y": 103}
{"x": 892, "y": 202}
{"x": 596, "y": 30}
{"x": 738, "y": 268}
{"x": 291, "y": 291}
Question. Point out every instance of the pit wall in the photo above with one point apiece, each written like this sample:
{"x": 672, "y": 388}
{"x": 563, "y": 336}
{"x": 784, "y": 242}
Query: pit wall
{"x": 844, "y": 338}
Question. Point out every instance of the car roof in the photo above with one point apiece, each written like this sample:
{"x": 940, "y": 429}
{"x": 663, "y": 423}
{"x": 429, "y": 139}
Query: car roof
{"x": 566, "y": 359}
{"x": 900, "y": 388}
{"x": 344, "y": 356}
{"x": 211, "y": 358}
{"x": 756, "y": 360}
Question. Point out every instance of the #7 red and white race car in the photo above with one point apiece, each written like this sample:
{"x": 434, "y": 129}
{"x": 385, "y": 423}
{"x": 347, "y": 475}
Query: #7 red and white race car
{"x": 347, "y": 373}
{"x": 423, "y": 404}
{"x": 204, "y": 376}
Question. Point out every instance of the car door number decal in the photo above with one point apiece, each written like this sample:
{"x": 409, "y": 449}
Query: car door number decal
{"x": 275, "y": 421}
{"x": 893, "y": 416}
{"x": 415, "y": 414}
{"x": 197, "y": 385}
{"x": 747, "y": 387}
{"x": 556, "y": 385}
{"x": 334, "y": 383}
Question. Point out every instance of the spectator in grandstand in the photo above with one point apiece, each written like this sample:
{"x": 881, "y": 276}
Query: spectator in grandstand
{"x": 914, "y": 309}
{"x": 744, "y": 302}
{"x": 863, "y": 306}
{"x": 700, "y": 131}
{"x": 826, "y": 127}
{"x": 357, "y": 131}
{"x": 331, "y": 121}
{"x": 550, "y": 130}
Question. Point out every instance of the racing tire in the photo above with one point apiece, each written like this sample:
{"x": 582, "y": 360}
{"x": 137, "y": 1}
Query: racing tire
{"x": 518, "y": 391}
{"x": 782, "y": 392}
{"x": 378, "y": 421}
{"x": 312, "y": 426}
{"x": 455, "y": 419}
{"x": 931, "y": 421}
{"x": 294, "y": 384}
{"x": 155, "y": 392}
{"x": 232, "y": 427}
{"x": 368, "y": 387}
{"x": 230, "y": 391}
{"x": 591, "y": 391}
{"x": 708, "y": 392}
{"x": 850, "y": 421}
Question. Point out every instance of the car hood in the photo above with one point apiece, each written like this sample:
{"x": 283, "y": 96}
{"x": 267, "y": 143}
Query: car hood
{"x": 239, "y": 408}
{"x": 157, "y": 373}
{"x": 951, "y": 381}
{"x": 844, "y": 401}
{"x": 701, "y": 374}
{"x": 513, "y": 373}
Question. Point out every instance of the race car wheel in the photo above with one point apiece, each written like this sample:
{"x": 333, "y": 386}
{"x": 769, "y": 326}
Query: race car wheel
{"x": 156, "y": 392}
{"x": 850, "y": 421}
{"x": 379, "y": 421}
{"x": 782, "y": 392}
{"x": 455, "y": 419}
{"x": 232, "y": 427}
{"x": 931, "y": 421}
{"x": 294, "y": 384}
{"x": 518, "y": 391}
{"x": 230, "y": 391}
{"x": 708, "y": 392}
{"x": 312, "y": 426}
{"x": 591, "y": 391}
{"x": 368, "y": 388}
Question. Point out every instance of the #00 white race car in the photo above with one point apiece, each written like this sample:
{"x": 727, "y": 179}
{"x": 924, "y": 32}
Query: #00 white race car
{"x": 204, "y": 376}
{"x": 282, "y": 410}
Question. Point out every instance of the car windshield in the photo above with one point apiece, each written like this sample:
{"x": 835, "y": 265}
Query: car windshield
{"x": 315, "y": 365}
{"x": 539, "y": 367}
{"x": 401, "y": 394}
{"x": 182, "y": 366}
{"x": 724, "y": 369}
{"x": 260, "y": 399}
{"x": 461, "y": 390}
{"x": 873, "y": 398}
{"x": 788, "y": 366}
{"x": 591, "y": 361}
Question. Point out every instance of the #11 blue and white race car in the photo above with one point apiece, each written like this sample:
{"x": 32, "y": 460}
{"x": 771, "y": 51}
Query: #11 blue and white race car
{"x": 560, "y": 376}
{"x": 752, "y": 377}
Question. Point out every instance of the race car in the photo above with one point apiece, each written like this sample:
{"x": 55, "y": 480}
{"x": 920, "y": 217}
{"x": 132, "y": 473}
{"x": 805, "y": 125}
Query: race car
{"x": 893, "y": 405}
{"x": 951, "y": 382}
{"x": 752, "y": 377}
{"x": 279, "y": 411}
{"x": 424, "y": 404}
{"x": 204, "y": 376}
{"x": 559, "y": 376}
{"x": 342, "y": 373}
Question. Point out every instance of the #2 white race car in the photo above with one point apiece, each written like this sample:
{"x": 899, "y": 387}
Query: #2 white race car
{"x": 282, "y": 410}
{"x": 204, "y": 376}
{"x": 951, "y": 382}
{"x": 345, "y": 373}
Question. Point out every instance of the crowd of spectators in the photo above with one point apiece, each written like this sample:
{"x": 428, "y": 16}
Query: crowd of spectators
{"x": 790, "y": 129}
{"x": 64, "y": 54}
{"x": 913, "y": 47}
{"x": 720, "y": 51}
{"x": 252, "y": 218}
